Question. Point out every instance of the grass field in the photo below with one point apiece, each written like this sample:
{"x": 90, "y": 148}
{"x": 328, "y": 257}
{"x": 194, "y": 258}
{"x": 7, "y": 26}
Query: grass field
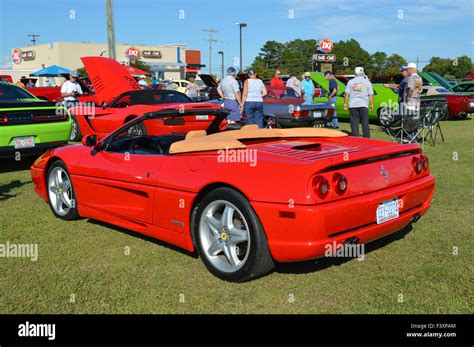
{"x": 83, "y": 266}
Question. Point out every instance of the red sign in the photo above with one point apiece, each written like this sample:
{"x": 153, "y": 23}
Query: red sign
{"x": 16, "y": 56}
{"x": 326, "y": 46}
{"x": 132, "y": 53}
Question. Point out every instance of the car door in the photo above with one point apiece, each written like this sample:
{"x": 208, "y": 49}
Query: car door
{"x": 121, "y": 184}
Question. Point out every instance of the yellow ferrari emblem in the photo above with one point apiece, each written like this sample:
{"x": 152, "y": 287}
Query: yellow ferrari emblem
{"x": 223, "y": 236}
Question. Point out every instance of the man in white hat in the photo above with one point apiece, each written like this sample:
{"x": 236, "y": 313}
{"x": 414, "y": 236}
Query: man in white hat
{"x": 413, "y": 89}
{"x": 71, "y": 89}
{"x": 359, "y": 92}
{"x": 142, "y": 82}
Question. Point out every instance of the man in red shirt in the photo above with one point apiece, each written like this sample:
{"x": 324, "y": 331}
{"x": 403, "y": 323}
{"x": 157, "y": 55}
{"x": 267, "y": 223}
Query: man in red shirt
{"x": 277, "y": 86}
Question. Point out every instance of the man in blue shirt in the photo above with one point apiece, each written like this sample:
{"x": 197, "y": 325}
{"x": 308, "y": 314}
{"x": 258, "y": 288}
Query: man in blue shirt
{"x": 332, "y": 95}
{"x": 307, "y": 87}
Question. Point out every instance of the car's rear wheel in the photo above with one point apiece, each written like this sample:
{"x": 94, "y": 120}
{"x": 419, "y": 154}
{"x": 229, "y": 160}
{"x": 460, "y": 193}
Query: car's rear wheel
{"x": 271, "y": 122}
{"x": 75, "y": 131}
{"x": 230, "y": 238}
{"x": 61, "y": 196}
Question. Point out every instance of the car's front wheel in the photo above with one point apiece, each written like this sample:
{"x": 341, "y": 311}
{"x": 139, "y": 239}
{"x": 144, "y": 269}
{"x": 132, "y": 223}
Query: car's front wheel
{"x": 230, "y": 238}
{"x": 75, "y": 131}
{"x": 61, "y": 195}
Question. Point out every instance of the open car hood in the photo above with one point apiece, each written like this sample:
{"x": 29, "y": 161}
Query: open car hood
{"x": 208, "y": 80}
{"x": 109, "y": 78}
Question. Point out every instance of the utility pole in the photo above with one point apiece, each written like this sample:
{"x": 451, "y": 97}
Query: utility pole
{"x": 241, "y": 25}
{"x": 33, "y": 38}
{"x": 110, "y": 29}
{"x": 222, "y": 71}
{"x": 210, "y": 31}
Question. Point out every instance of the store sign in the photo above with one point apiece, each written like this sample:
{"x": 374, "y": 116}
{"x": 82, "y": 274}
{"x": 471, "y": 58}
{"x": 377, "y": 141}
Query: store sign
{"x": 28, "y": 55}
{"x": 151, "y": 54}
{"x": 324, "y": 58}
{"x": 326, "y": 46}
{"x": 16, "y": 56}
{"x": 132, "y": 53}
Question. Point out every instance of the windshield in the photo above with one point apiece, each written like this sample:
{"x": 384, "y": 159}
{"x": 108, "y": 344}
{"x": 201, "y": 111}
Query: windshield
{"x": 150, "y": 97}
{"x": 9, "y": 92}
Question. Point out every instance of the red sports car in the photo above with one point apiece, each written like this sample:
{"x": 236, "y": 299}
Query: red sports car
{"x": 122, "y": 99}
{"x": 244, "y": 199}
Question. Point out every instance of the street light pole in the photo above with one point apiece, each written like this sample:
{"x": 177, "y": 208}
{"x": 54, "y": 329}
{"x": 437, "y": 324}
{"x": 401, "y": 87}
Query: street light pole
{"x": 110, "y": 29}
{"x": 222, "y": 56}
{"x": 241, "y": 25}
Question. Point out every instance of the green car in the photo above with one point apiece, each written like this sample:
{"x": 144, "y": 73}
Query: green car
{"x": 385, "y": 99}
{"x": 438, "y": 81}
{"x": 28, "y": 125}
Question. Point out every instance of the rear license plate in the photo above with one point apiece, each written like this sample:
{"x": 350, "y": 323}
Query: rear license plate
{"x": 24, "y": 142}
{"x": 317, "y": 114}
{"x": 205, "y": 117}
{"x": 387, "y": 210}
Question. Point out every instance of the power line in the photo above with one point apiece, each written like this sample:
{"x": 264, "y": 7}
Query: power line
{"x": 211, "y": 40}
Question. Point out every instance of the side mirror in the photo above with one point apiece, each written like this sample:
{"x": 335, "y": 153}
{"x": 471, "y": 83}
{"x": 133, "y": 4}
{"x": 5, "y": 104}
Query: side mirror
{"x": 89, "y": 140}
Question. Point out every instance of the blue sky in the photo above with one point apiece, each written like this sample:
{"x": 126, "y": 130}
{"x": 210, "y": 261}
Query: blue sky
{"x": 422, "y": 28}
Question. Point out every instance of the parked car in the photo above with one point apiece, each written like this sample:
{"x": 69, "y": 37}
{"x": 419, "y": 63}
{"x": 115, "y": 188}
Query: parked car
{"x": 191, "y": 190}
{"x": 463, "y": 87}
{"x": 122, "y": 100}
{"x": 385, "y": 99}
{"x": 28, "y": 125}
{"x": 458, "y": 105}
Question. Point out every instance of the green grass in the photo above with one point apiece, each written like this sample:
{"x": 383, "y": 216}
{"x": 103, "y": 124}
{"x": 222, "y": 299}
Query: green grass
{"x": 87, "y": 259}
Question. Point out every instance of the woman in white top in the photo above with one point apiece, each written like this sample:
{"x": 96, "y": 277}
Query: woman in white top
{"x": 254, "y": 91}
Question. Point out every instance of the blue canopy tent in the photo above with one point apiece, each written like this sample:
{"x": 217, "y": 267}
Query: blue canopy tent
{"x": 51, "y": 71}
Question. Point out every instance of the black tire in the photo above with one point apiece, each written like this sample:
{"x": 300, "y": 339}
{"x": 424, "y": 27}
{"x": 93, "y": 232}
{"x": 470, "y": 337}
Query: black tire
{"x": 136, "y": 130}
{"x": 73, "y": 211}
{"x": 75, "y": 130}
{"x": 271, "y": 120}
{"x": 259, "y": 261}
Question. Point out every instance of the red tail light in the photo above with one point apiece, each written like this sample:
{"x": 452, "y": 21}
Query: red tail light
{"x": 340, "y": 182}
{"x": 425, "y": 162}
{"x": 321, "y": 186}
{"x": 417, "y": 165}
{"x": 3, "y": 119}
{"x": 330, "y": 112}
{"x": 300, "y": 113}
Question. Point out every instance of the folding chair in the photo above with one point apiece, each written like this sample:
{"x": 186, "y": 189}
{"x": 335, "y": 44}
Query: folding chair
{"x": 433, "y": 124}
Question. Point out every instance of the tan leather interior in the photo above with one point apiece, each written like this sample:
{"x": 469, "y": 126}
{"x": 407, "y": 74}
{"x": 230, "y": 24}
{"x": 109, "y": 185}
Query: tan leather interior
{"x": 198, "y": 140}
{"x": 195, "y": 133}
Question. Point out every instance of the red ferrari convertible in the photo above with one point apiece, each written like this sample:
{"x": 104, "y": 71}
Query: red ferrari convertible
{"x": 244, "y": 199}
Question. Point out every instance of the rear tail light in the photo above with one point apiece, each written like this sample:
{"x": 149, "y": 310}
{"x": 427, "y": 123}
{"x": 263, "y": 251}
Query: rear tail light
{"x": 3, "y": 119}
{"x": 321, "y": 186}
{"x": 417, "y": 165}
{"x": 330, "y": 112}
{"x": 425, "y": 162}
{"x": 340, "y": 183}
{"x": 299, "y": 113}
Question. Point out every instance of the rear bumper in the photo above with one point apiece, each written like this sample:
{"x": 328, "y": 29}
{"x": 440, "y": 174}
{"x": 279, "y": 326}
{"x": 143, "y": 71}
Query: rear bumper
{"x": 11, "y": 151}
{"x": 314, "y": 227}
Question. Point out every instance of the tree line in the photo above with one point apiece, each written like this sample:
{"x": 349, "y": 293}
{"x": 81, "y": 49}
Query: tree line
{"x": 295, "y": 57}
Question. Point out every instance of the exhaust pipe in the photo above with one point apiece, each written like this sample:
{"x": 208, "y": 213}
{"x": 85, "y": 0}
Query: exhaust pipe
{"x": 415, "y": 218}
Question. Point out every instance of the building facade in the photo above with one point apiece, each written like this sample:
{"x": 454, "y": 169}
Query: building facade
{"x": 166, "y": 61}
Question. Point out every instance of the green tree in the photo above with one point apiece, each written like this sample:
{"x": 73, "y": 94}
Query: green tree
{"x": 393, "y": 64}
{"x": 379, "y": 62}
{"x": 350, "y": 55}
{"x": 82, "y": 72}
{"x": 140, "y": 64}
{"x": 447, "y": 67}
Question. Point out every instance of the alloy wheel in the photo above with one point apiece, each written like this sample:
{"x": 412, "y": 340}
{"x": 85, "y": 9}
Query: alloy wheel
{"x": 60, "y": 191}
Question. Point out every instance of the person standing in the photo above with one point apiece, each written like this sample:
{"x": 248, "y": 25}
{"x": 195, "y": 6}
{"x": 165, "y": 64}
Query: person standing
{"x": 30, "y": 84}
{"x": 142, "y": 82}
{"x": 295, "y": 84}
{"x": 20, "y": 83}
{"x": 252, "y": 99}
{"x": 414, "y": 88}
{"x": 70, "y": 90}
{"x": 401, "y": 88}
{"x": 359, "y": 91}
{"x": 307, "y": 87}
{"x": 277, "y": 86}
{"x": 229, "y": 90}
{"x": 332, "y": 95}
{"x": 192, "y": 89}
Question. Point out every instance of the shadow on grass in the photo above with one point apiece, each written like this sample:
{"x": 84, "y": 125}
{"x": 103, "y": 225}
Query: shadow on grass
{"x": 5, "y": 189}
{"x": 11, "y": 165}
{"x": 143, "y": 237}
{"x": 324, "y": 263}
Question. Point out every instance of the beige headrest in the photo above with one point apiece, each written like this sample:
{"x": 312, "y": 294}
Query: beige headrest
{"x": 195, "y": 133}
